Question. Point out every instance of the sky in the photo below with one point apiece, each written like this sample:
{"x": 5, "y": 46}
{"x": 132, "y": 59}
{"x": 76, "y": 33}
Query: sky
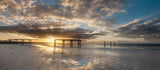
{"x": 130, "y": 21}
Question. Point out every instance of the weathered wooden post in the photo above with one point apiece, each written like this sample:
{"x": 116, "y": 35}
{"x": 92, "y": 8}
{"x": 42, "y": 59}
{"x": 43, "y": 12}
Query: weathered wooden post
{"x": 54, "y": 46}
{"x": 110, "y": 43}
{"x": 79, "y": 43}
{"x": 54, "y": 43}
{"x": 63, "y": 44}
{"x": 71, "y": 43}
{"x": 104, "y": 44}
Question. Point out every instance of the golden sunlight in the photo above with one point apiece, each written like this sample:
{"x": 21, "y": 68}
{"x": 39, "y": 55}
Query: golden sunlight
{"x": 49, "y": 39}
{"x": 42, "y": 47}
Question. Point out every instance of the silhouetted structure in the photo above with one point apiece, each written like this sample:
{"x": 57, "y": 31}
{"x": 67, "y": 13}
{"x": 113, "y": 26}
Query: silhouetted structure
{"x": 17, "y": 41}
{"x": 71, "y": 42}
{"x": 105, "y": 44}
{"x": 109, "y": 43}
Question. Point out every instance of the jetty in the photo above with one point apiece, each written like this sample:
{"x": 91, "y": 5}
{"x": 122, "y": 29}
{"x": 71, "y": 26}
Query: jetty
{"x": 70, "y": 40}
{"x": 17, "y": 41}
{"x": 33, "y": 41}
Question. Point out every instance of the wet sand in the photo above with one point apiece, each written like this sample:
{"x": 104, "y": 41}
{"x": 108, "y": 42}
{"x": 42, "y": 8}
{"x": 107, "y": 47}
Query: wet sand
{"x": 89, "y": 57}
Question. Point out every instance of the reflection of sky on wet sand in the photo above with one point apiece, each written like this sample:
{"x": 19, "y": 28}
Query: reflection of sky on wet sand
{"x": 38, "y": 57}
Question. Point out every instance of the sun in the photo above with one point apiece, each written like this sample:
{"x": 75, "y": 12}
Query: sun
{"x": 49, "y": 39}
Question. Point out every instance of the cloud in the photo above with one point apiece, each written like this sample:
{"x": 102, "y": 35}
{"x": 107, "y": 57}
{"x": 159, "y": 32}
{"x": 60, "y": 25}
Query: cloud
{"x": 11, "y": 4}
{"x": 95, "y": 13}
{"x": 2, "y": 7}
{"x": 95, "y": 8}
{"x": 42, "y": 31}
{"x": 140, "y": 28}
{"x": 64, "y": 16}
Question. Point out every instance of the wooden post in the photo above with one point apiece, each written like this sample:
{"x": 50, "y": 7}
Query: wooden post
{"x": 71, "y": 43}
{"x": 104, "y": 44}
{"x": 63, "y": 44}
{"x": 79, "y": 43}
{"x": 54, "y": 43}
{"x": 54, "y": 46}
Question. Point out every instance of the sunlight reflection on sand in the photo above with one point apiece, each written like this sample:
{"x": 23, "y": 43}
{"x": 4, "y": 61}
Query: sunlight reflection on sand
{"x": 40, "y": 57}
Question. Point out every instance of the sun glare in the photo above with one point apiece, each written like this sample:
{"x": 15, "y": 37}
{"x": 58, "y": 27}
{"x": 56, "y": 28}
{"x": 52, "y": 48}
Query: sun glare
{"x": 49, "y": 39}
{"x": 49, "y": 49}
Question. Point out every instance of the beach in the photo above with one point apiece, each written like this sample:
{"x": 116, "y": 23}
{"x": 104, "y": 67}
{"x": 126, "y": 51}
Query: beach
{"x": 88, "y": 57}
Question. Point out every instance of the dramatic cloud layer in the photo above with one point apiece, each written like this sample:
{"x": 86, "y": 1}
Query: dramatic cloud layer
{"x": 38, "y": 31}
{"x": 66, "y": 13}
{"x": 138, "y": 28}
{"x": 92, "y": 12}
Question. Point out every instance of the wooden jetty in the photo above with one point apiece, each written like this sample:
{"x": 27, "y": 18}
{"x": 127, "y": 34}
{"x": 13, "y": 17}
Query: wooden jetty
{"x": 109, "y": 43}
{"x": 17, "y": 41}
{"x": 31, "y": 41}
{"x": 71, "y": 42}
